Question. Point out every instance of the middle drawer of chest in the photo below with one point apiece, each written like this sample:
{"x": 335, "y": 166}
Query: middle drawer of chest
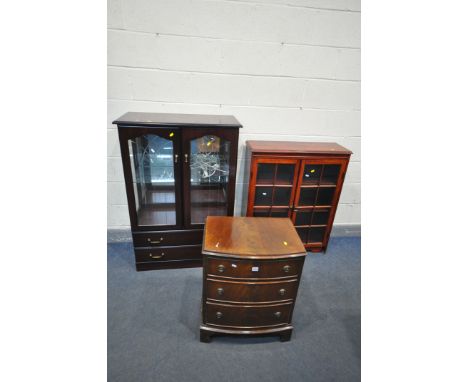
{"x": 231, "y": 291}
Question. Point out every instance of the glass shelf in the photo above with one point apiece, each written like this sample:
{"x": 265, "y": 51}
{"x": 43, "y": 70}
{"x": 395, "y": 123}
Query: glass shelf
{"x": 151, "y": 160}
{"x": 271, "y": 212}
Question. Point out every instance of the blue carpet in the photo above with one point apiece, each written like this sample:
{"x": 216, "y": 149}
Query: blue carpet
{"x": 153, "y": 320}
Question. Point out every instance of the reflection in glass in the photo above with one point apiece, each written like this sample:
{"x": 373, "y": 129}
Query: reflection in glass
{"x": 151, "y": 158}
{"x": 311, "y": 174}
{"x": 209, "y": 175}
{"x": 263, "y": 196}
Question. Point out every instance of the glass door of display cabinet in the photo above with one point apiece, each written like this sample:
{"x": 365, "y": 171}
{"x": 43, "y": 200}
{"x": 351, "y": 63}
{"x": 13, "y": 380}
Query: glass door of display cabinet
{"x": 210, "y": 159}
{"x": 274, "y": 184}
{"x": 315, "y": 196}
{"x": 154, "y": 162}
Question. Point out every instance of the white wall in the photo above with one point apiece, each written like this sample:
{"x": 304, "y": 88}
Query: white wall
{"x": 286, "y": 69}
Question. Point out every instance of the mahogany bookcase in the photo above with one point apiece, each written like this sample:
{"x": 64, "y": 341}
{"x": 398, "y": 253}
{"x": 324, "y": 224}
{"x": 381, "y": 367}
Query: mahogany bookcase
{"x": 299, "y": 180}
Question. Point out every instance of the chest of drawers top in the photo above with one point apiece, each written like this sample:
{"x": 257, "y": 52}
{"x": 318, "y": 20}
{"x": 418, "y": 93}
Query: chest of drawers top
{"x": 251, "y": 238}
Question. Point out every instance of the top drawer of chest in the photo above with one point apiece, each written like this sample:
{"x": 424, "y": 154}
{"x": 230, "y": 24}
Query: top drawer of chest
{"x": 253, "y": 269}
{"x": 165, "y": 238}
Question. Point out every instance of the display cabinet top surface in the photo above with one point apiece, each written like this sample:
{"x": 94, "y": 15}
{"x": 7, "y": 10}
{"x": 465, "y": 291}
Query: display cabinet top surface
{"x": 165, "y": 119}
{"x": 330, "y": 148}
{"x": 251, "y": 237}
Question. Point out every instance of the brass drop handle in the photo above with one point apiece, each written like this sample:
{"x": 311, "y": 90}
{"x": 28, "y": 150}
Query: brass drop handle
{"x": 155, "y": 241}
{"x": 156, "y": 256}
{"x": 219, "y": 315}
{"x": 186, "y": 158}
{"x": 286, "y": 268}
{"x": 220, "y": 291}
{"x": 277, "y": 314}
{"x": 282, "y": 291}
{"x": 221, "y": 268}
{"x": 176, "y": 157}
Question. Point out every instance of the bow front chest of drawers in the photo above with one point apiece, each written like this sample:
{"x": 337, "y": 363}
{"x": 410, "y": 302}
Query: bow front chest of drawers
{"x": 251, "y": 273}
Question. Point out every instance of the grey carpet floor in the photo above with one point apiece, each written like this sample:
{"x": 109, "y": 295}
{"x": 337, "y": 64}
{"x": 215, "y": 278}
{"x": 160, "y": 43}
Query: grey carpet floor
{"x": 153, "y": 320}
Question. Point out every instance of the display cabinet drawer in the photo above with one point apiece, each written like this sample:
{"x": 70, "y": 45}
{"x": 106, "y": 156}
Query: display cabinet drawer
{"x": 164, "y": 238}
{"x": 153, "y": 265}
{"x": 230, "y": 291}
{"x": 246, "y": 316}
{"x": 183, "y": 252}
{"x": 253, "y": 269}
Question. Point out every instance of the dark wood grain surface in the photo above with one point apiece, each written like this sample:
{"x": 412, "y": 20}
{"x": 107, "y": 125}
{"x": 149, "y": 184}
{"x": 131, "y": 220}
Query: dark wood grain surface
{"x": 254, "y": 269}
{"x": 330, "y": 148}
{"x": 248, "y": 237}
{"x": 248, "y": 316}
{"x": 177, "y": 252}
{"x": 245, "y": 292}
{"x": 166, "y": 119}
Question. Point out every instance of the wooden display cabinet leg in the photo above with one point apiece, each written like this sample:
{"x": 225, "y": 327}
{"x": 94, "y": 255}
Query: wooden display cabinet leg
{"x": 286, "y": 335}
{"x": 205, "y": 336}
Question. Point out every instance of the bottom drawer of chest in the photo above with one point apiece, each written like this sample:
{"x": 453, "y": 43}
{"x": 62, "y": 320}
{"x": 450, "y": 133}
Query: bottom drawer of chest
{"x": 247, "y": 316}
{"x": 182, "y": 252}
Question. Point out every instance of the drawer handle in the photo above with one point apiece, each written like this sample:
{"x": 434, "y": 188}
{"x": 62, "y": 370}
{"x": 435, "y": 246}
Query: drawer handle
{"x": 221, "y": 268}
{"x": 155, "y": 241}
{"x": 219, "y": 315}
{"x": 156, "y": 256}
{"x": 282, "y": 291}
{"x": 220, "y": 291}
{"x": 277, "y": 314}
{"x": 286, "y": 268}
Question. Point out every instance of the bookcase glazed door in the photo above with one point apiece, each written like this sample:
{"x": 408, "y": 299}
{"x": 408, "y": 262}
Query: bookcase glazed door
{"x": 316, "y": 195}
{"x": 210, "y": 160}
{"x": 152, "y": 157}
{"x": 274, "y": 181}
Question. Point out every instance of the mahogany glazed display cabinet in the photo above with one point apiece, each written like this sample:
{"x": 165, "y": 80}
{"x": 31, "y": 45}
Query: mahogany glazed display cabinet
{"x": 178, "y": 169}
{"x": 299, "y": 180}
